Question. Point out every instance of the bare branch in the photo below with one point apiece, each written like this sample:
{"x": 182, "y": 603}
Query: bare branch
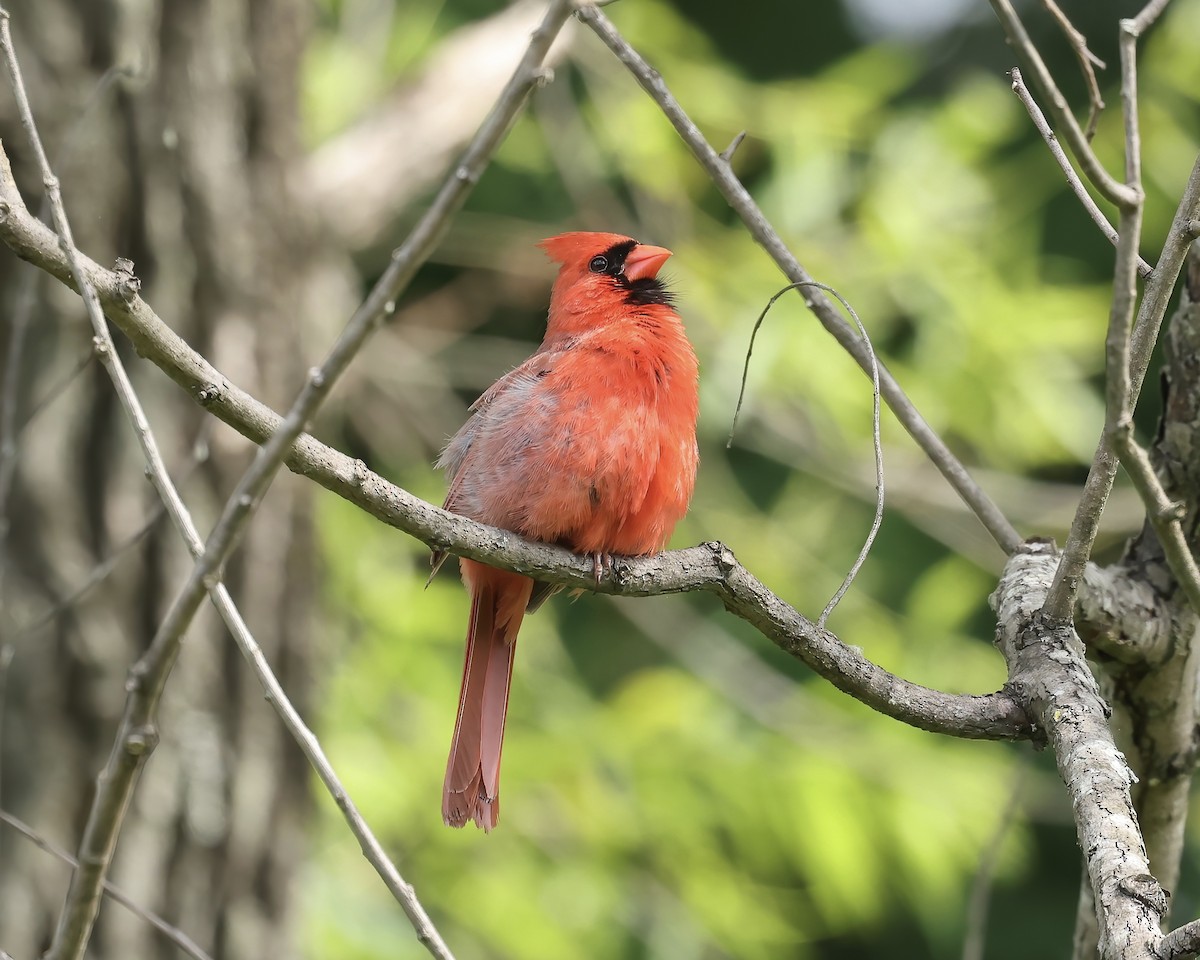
{"x": 1162, "y": 701}
{"x": 1109, "y": 187}
{"x": 1119, "y": 391}
{"x": 1047, "y": 664}
{"x": 1123, "y": 617}
{"x": 1060, "y": 157}
{"x": 1164, "y": 515}
{"x": 1144, "y": 20}
{"x": 83, "y": 898}
{"x": 1182, "y": 943}
{"x": 1087, "y": 62}
{"x": 743, "y": 204}
{"x": 728, "y": 152}
{"x": 172, "y": 933}
{"x": 1127, "y": 358}
{"x": 1155, "y": 299}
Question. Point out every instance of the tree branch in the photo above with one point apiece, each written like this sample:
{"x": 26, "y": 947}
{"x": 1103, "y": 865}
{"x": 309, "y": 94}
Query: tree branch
{"x": 1060, "y": 157}
{"x": 1165, "y": 516}
{"x": 1048, "y": 669}
{"x": 1182, "y": 943}
{"x": 1103, "y": 471}
{"x": 1112, "y": 189}
{"x": 1119, "y": 394}
{"x": 1162, "y": 701}
{"x": 1087, "y": 63}
{"x": 1121, "y": 616}
{"x": 720, "y": 172}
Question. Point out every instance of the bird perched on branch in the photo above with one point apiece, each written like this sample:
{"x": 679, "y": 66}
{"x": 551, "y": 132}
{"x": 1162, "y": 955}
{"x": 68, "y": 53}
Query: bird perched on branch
{"x": 590, "y": 444}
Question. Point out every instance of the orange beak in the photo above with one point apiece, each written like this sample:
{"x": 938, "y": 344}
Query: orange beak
{"x": 645, "y": 261}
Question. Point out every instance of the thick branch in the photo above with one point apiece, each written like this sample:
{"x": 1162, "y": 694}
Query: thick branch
{"x": 1181, "y": 944}
{"x": 1122, "y": 617}
{"x": 1047, "y": 668}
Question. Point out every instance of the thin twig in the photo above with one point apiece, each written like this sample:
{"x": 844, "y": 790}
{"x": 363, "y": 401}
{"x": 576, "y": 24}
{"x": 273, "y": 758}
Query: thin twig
{"x": 878, "y": 520}
{"x": 172, "y": 933}
{"x": 1065, "y": 121}
{"x": 743, "y": 204}
{"x": 1118, "y": 405}
{"x": 1126, "y": 360}
{"x": 728, "y": 152}
{"x": 1039, "y": 121}
{"x": 1087, "y": 62}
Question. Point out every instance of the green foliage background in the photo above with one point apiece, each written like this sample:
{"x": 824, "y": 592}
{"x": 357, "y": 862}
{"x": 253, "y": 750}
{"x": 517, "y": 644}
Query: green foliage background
{"x": 675, "y": 786}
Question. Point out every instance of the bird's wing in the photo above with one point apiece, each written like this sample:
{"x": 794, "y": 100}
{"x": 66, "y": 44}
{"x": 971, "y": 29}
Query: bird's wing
{"x": 535, "y": 367}
{"x": 458, "y": 451}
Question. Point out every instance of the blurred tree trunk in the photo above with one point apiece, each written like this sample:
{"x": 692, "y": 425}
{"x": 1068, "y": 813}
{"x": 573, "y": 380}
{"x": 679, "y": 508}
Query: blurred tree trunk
{"x": 181, "y": 167}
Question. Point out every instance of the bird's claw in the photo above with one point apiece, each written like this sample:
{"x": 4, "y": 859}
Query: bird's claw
{"x": 602, "y": 563}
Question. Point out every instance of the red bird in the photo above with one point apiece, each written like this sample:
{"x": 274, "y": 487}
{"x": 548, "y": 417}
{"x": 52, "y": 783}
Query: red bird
{"x": 591, "y": 444}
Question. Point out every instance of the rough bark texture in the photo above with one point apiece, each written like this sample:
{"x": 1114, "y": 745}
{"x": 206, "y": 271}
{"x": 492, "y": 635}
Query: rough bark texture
{"x": 1162, "y": 700}
{"x": 182, "y": 169}
{"x": 1048, "y": 670}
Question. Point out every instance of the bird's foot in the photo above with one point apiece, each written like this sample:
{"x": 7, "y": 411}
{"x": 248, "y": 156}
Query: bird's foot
{"x": 602, "y": 563}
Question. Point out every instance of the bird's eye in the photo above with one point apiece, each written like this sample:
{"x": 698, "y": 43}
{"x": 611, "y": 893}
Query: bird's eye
{"x": 598, "y": 264}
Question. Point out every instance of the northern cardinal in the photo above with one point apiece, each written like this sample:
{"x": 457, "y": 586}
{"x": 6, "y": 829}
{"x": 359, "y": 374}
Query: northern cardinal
{"x": 590, "y": 444}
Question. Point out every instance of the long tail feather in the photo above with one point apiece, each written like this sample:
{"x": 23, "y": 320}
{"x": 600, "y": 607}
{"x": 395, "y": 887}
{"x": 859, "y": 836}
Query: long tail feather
{"x": 472, "y": 787}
